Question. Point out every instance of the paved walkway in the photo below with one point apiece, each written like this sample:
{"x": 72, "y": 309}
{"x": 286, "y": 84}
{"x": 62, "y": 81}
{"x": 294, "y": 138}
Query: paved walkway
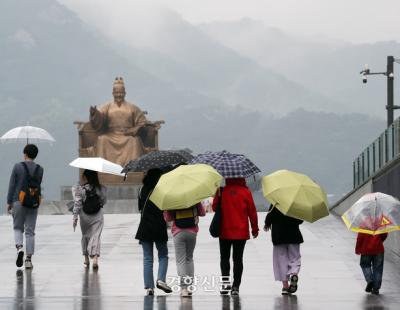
{"x": 330, "y": 277}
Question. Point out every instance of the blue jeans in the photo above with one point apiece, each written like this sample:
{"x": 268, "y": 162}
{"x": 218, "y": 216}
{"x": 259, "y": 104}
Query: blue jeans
{"x": 372, "y": 268}
{"x": 148, "y": 262}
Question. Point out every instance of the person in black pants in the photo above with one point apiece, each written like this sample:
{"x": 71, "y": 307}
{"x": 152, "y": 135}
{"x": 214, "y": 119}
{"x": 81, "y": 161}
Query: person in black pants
{"x": 237, "y": 207}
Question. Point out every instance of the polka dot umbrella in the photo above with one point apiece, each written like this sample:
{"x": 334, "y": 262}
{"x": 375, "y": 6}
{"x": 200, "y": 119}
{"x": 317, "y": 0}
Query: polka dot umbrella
{"x": 157, "y": 159}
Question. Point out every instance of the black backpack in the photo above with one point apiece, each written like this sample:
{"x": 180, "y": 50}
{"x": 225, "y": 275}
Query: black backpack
{"x": 30, "y": 194}
{"x": 186, "y": 218}
{"x": 92, "y": 203}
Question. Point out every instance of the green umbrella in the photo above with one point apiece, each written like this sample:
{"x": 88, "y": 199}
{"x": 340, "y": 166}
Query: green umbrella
{"x": 185, "y": 186}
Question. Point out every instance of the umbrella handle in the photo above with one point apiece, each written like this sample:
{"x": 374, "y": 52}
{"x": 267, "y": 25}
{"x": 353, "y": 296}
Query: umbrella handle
{"x": 273, "y": 207}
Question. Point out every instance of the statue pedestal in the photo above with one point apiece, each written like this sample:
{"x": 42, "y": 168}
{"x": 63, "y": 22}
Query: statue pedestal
{"x": 114, "y": 192}
{"x": 121, "y": 198}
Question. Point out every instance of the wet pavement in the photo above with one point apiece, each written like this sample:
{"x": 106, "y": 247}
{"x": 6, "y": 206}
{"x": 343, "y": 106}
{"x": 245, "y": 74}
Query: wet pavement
{"x": 330, "y": 277}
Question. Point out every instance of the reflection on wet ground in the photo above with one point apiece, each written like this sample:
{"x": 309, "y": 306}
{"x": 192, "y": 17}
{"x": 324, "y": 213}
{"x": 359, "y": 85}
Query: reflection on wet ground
{"x": 330, "y": 277}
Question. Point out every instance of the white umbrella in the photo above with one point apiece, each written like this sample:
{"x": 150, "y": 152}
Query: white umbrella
{"x": 97, "y": 164}
{"x": 27, "y": 133}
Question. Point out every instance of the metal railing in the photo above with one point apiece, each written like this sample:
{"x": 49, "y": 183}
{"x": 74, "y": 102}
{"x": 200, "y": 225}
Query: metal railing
{"x": 378, "y": 154}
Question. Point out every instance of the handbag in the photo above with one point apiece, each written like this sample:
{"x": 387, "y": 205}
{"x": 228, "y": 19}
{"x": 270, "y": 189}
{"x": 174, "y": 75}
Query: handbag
{"x": 215, "y": 225}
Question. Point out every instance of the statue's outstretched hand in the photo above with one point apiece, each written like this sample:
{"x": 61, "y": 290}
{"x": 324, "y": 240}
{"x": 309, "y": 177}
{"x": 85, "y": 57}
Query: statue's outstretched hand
{"x": 93, "y": 110}
{"x": 132, "y": 131}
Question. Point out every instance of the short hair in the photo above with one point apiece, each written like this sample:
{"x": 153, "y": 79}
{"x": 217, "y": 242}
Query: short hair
{"x": 31, "y": 151}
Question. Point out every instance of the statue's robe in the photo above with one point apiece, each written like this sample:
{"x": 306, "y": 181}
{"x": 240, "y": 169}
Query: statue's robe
{"x": 114, "y": 121}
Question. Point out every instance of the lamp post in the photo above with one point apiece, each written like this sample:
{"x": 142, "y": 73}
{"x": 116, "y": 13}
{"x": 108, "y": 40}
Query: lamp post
{"x": 390, "y": 107}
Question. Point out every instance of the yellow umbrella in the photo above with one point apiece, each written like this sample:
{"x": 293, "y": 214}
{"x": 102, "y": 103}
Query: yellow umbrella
{"x": 185, "y": 186}
{"x": 295, "y": 195}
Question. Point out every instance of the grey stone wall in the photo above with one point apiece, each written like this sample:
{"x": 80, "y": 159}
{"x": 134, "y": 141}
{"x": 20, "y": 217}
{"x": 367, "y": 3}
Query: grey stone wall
{"x": 114, "y": 192}
{"x": 122, "y": 206}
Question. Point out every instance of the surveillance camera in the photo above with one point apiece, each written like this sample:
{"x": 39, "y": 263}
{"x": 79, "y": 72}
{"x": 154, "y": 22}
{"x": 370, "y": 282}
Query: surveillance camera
{"x": 364, "y": 78}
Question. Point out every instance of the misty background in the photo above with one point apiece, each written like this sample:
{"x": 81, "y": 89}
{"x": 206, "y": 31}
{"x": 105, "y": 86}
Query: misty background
{"x": 279, "y": 83}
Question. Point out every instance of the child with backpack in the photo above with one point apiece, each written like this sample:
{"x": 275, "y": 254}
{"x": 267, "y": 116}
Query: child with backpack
{"x": 88, "y": 203}
{"x": 371, "y": 249}
{"x": 184, "y": 230}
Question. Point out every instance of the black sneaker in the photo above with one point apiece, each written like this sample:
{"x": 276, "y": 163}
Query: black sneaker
{"x": 286, "y": 291}
{"x": 375, "y": 291}
{"x": 368, "y": 288}
{"x": 225, "y": 288}
{"x": 20, "y": 258}
{"x": 294, "y": 278}
{"x": 235, "y": 291}
{"x": 163, "y": 286}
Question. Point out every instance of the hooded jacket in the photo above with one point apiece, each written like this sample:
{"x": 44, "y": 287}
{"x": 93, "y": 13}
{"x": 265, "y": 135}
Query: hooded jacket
{"x": 370, "y": 244}
{"x": 237, "y": 209}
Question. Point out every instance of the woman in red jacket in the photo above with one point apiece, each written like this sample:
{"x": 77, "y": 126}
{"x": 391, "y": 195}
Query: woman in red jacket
{"x": 237, "y": 208}
{"x": 371, "y": 261}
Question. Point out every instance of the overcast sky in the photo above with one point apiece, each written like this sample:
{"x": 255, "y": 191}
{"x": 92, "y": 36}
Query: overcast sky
{"x": 350, "y": 20}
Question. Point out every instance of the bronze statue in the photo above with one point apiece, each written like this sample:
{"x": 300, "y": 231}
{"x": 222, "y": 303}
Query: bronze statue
{"x": 120, "y": 122}
{"x": 118, "y": 131}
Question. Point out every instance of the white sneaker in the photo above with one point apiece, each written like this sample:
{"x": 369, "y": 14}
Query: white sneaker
{"x": 149, "y": 292}
{"x": 184, "y": 292}
{"x": 28, "y": 264}
{"x": 86, "y": 262}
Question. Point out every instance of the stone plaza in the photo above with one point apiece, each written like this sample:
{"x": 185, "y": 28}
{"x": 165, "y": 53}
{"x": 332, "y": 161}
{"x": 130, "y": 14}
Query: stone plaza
{"x": 330, "y": 277}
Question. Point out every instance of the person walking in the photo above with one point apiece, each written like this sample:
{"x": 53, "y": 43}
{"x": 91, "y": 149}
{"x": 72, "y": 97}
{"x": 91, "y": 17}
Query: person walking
{"x": 89, "y": 199}
{"x": 23, "y": 200}
{"x": 371, "y": 249}
{"x": 237, "y": 208}
{"x": 286, "y": 238}
{"x": 152, "y": 231}
{"x": 184, "y": 230}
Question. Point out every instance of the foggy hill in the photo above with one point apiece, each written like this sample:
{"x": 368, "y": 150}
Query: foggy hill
{"x": 326, "y": 66}
{"x": 183, "y": 55}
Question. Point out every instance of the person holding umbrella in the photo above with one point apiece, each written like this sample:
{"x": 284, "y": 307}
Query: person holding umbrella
{"x": 373, "y": 216}
{"x": 23, "y": 200}
{"x": 179, "y": 193}
{"x": 237, "y": 208}
{"x": 152, "y": 231}
{"x": 89, "y": 199}
{"x": 286, "y": 238}
{"x": 295, "y": 198}
{"x": 184, "y": 230}
{"x": 371, "y": 251}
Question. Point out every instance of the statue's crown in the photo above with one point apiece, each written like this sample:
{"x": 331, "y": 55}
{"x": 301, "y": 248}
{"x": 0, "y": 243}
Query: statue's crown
{"x": 119, "y": 81}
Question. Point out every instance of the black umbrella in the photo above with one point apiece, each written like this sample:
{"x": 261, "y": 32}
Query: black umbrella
{"x": 158, "y": 159}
